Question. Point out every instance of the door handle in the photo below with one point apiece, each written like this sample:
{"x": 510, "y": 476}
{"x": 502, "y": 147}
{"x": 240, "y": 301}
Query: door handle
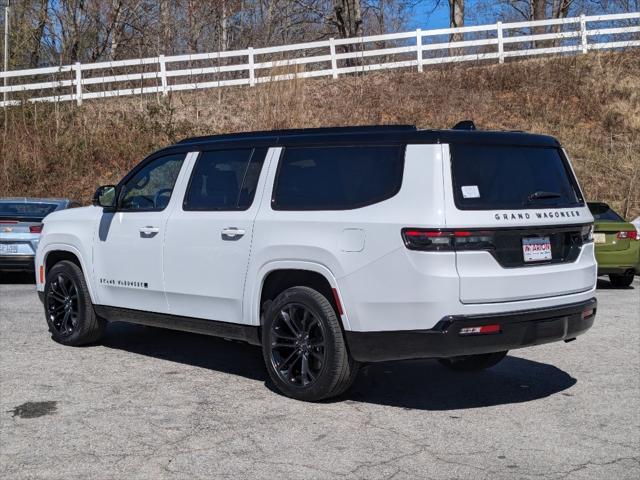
{"x": 148, "y": 232}
{"x": 232, "y": 233}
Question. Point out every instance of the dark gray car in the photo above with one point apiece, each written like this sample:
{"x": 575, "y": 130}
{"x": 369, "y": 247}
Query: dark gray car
{"x": 20, "y": 228}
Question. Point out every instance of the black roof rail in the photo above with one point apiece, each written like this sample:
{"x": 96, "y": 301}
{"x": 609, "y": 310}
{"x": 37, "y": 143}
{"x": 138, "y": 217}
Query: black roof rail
{"x": 465, "y": 125}
{"x": 301, "y": 131}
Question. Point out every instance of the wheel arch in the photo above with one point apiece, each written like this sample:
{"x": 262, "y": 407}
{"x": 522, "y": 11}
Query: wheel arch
{"x": 55, "y": 253}
{"x": 276, "y": 277}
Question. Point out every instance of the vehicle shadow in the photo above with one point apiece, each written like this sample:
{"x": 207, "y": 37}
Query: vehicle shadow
{"x": 427, "y": 385}
{"x": 17, "y": 278}
{"x": 416, "y": 384}
{"x": 606, "y": 285}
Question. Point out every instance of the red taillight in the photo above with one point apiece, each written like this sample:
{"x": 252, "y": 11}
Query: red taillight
{"x": 35, "y": 229}
{"x": 631, "y": 235}
{"x": 439, "y": 240}
{"x": 480, "y": 330}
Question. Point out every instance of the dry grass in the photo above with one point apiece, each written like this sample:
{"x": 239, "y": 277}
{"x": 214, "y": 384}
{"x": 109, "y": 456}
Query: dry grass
{"x": 591, "y": 103}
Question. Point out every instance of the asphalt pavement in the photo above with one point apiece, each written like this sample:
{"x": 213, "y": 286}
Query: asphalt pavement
{"x": 149, "y": 403}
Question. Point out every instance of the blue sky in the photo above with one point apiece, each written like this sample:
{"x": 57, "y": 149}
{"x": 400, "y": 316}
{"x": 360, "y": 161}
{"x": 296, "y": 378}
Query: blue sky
{"x": 428, "y": 18}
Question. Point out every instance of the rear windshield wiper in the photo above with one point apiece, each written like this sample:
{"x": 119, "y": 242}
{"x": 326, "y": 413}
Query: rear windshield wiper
{"x": 540, "y": 195}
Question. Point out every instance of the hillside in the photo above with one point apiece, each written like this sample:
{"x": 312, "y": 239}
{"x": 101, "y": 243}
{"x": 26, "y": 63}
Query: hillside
{"x": 591, "y": 103}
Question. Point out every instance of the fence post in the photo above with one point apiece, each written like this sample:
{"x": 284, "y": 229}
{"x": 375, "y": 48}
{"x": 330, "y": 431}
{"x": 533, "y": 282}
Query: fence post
{"x": 252, "y": 72}
{"x": 500, "y": 43}
{"x": 163, "y": 75}
{"x": 78, "y": 82}
{"x": 583, "y": 32}
{"x": 419, "y": 48}
{"x": 334, "y": 60}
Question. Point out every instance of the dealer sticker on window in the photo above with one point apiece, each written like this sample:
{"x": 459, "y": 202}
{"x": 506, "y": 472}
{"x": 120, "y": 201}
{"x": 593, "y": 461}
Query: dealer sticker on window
{"x": 536, "y": 249}
{"x": 470, "y": 191}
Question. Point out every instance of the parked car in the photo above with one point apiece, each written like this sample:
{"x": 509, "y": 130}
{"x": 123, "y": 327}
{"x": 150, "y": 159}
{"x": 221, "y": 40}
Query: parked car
{"x": 617, "y": 245}
{"x": 21, "y": 226}
{"x": 334, "y": 247}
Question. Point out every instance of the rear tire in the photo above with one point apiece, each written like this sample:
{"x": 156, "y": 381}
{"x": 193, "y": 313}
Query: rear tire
{"x": 473, "y": 363}
{"x": 303, "y": 347}
{"x": 68, "y": 308}
{"x": 621, "y": 280}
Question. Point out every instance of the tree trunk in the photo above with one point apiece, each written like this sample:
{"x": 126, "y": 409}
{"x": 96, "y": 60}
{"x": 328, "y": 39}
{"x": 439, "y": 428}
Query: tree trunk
{"x": 165, "y": 36}
{"x": 456, "y": 19}
{"x": 348, "y": 19}
{"x": 43, "y": 16}
{"x": 539, "y": 12}
{"x": 560, "y": 9}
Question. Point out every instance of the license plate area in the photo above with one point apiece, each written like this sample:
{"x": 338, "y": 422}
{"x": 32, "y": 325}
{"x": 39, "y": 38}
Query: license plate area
{"x": 599, "y": 238}
{"x": 536, "y": 249}
{"x": 8, "y": 248}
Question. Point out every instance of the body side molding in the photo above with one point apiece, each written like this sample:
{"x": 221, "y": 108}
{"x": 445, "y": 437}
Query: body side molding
{"x": 234, "y": 331}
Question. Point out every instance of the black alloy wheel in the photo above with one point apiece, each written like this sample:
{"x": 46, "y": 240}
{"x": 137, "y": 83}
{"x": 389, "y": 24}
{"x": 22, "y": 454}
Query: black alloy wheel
{"x": 68, "y": 308}
{"x": 303, "y": 346}
{"x": 298, "y": 350}
{"x": 62, "y": 305}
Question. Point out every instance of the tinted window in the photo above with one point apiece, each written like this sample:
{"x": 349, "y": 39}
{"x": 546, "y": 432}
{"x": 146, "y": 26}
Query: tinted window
{"x": 491, "y": 177}
{"x": 224, "y": 180}
{"x": 334, "y": 178}
{"x": 150, "y": 188}
{"x": 24, "y": 211}
{"x": 601, "y": 211}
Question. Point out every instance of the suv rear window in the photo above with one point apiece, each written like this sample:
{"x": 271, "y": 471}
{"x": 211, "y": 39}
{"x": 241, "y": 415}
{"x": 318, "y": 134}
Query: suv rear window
{"x": 25, "y": 211}
{"x": 337, "y": 178}
{"x": 489, "y": 177}
{"x": 602, "y": 211}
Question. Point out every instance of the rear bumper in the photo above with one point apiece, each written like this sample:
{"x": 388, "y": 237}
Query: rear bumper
{"x": 17, "y": 262}
{"x": 619, "y": 261}
{"x": 517, "y": 329}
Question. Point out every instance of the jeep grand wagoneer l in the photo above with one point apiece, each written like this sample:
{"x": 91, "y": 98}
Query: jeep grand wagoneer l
{"x": 334, "y": 247}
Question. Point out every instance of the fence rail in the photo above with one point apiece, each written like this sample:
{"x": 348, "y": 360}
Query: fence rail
{"x": 328, "y": 58}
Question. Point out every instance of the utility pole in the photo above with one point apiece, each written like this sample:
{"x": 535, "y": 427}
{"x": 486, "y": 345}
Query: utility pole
{"x": 6, "y": 5}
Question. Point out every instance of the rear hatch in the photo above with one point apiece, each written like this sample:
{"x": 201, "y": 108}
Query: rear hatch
{"x": 613, "y": 236}
{"x": 21, "y": 225}
{"x": 521, "y": 227}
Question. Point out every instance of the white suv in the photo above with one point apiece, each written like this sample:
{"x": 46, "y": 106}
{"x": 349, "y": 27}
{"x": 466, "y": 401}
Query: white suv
{"x": 334, "y": 247}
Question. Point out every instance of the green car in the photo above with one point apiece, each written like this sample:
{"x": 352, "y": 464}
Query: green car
{"x": 617, "y": 245}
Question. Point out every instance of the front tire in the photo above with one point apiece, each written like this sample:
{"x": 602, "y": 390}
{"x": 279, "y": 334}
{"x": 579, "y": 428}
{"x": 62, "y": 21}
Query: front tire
{"x": 68, "y": 308}
{"x": 621, "y": 280}
{"x": 473, "y": 363}
{"x": 303, "y": 346}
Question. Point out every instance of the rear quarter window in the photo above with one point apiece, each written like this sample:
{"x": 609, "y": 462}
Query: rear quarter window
{"x": 489, "y": 177}
{"x": 337, "y": 177}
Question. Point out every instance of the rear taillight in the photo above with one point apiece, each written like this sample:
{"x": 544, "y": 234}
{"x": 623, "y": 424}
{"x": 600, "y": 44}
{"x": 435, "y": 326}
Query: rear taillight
{"x": 439, "y": 240}
{"x": 631, "y": 235}
{"x": 587, "y": 234}
{"x": 35, "y": 229}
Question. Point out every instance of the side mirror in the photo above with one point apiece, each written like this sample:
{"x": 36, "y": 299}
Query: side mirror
{"x": 105, "y": 197}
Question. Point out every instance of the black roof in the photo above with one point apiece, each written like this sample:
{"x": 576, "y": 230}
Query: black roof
{"x": 374, "y": 134}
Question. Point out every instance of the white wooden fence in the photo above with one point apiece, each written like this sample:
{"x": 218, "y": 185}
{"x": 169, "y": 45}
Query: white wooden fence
{"x": 329, "y": 58}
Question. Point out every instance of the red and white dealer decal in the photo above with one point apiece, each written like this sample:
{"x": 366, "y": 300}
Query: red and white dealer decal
{"x": 536, "y": 249}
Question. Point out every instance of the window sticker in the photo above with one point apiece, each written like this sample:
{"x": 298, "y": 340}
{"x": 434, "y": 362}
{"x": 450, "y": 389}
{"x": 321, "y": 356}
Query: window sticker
{"x": 470, "y": 191}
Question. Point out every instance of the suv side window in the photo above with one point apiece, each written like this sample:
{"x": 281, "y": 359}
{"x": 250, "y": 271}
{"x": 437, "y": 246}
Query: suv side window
{"x": 337, "y": 177}
{"x": 224, "y": 180}
{"x": 151, "y": 187}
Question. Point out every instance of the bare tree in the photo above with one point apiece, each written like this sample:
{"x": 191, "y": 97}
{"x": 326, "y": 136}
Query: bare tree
{"x": 348, "y": 17}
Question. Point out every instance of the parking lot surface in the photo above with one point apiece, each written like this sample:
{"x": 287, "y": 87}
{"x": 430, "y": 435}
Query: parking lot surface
{"x": 153, "y": 404}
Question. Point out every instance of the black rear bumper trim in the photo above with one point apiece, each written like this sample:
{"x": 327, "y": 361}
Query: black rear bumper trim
{"x": 518, "y": 329}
